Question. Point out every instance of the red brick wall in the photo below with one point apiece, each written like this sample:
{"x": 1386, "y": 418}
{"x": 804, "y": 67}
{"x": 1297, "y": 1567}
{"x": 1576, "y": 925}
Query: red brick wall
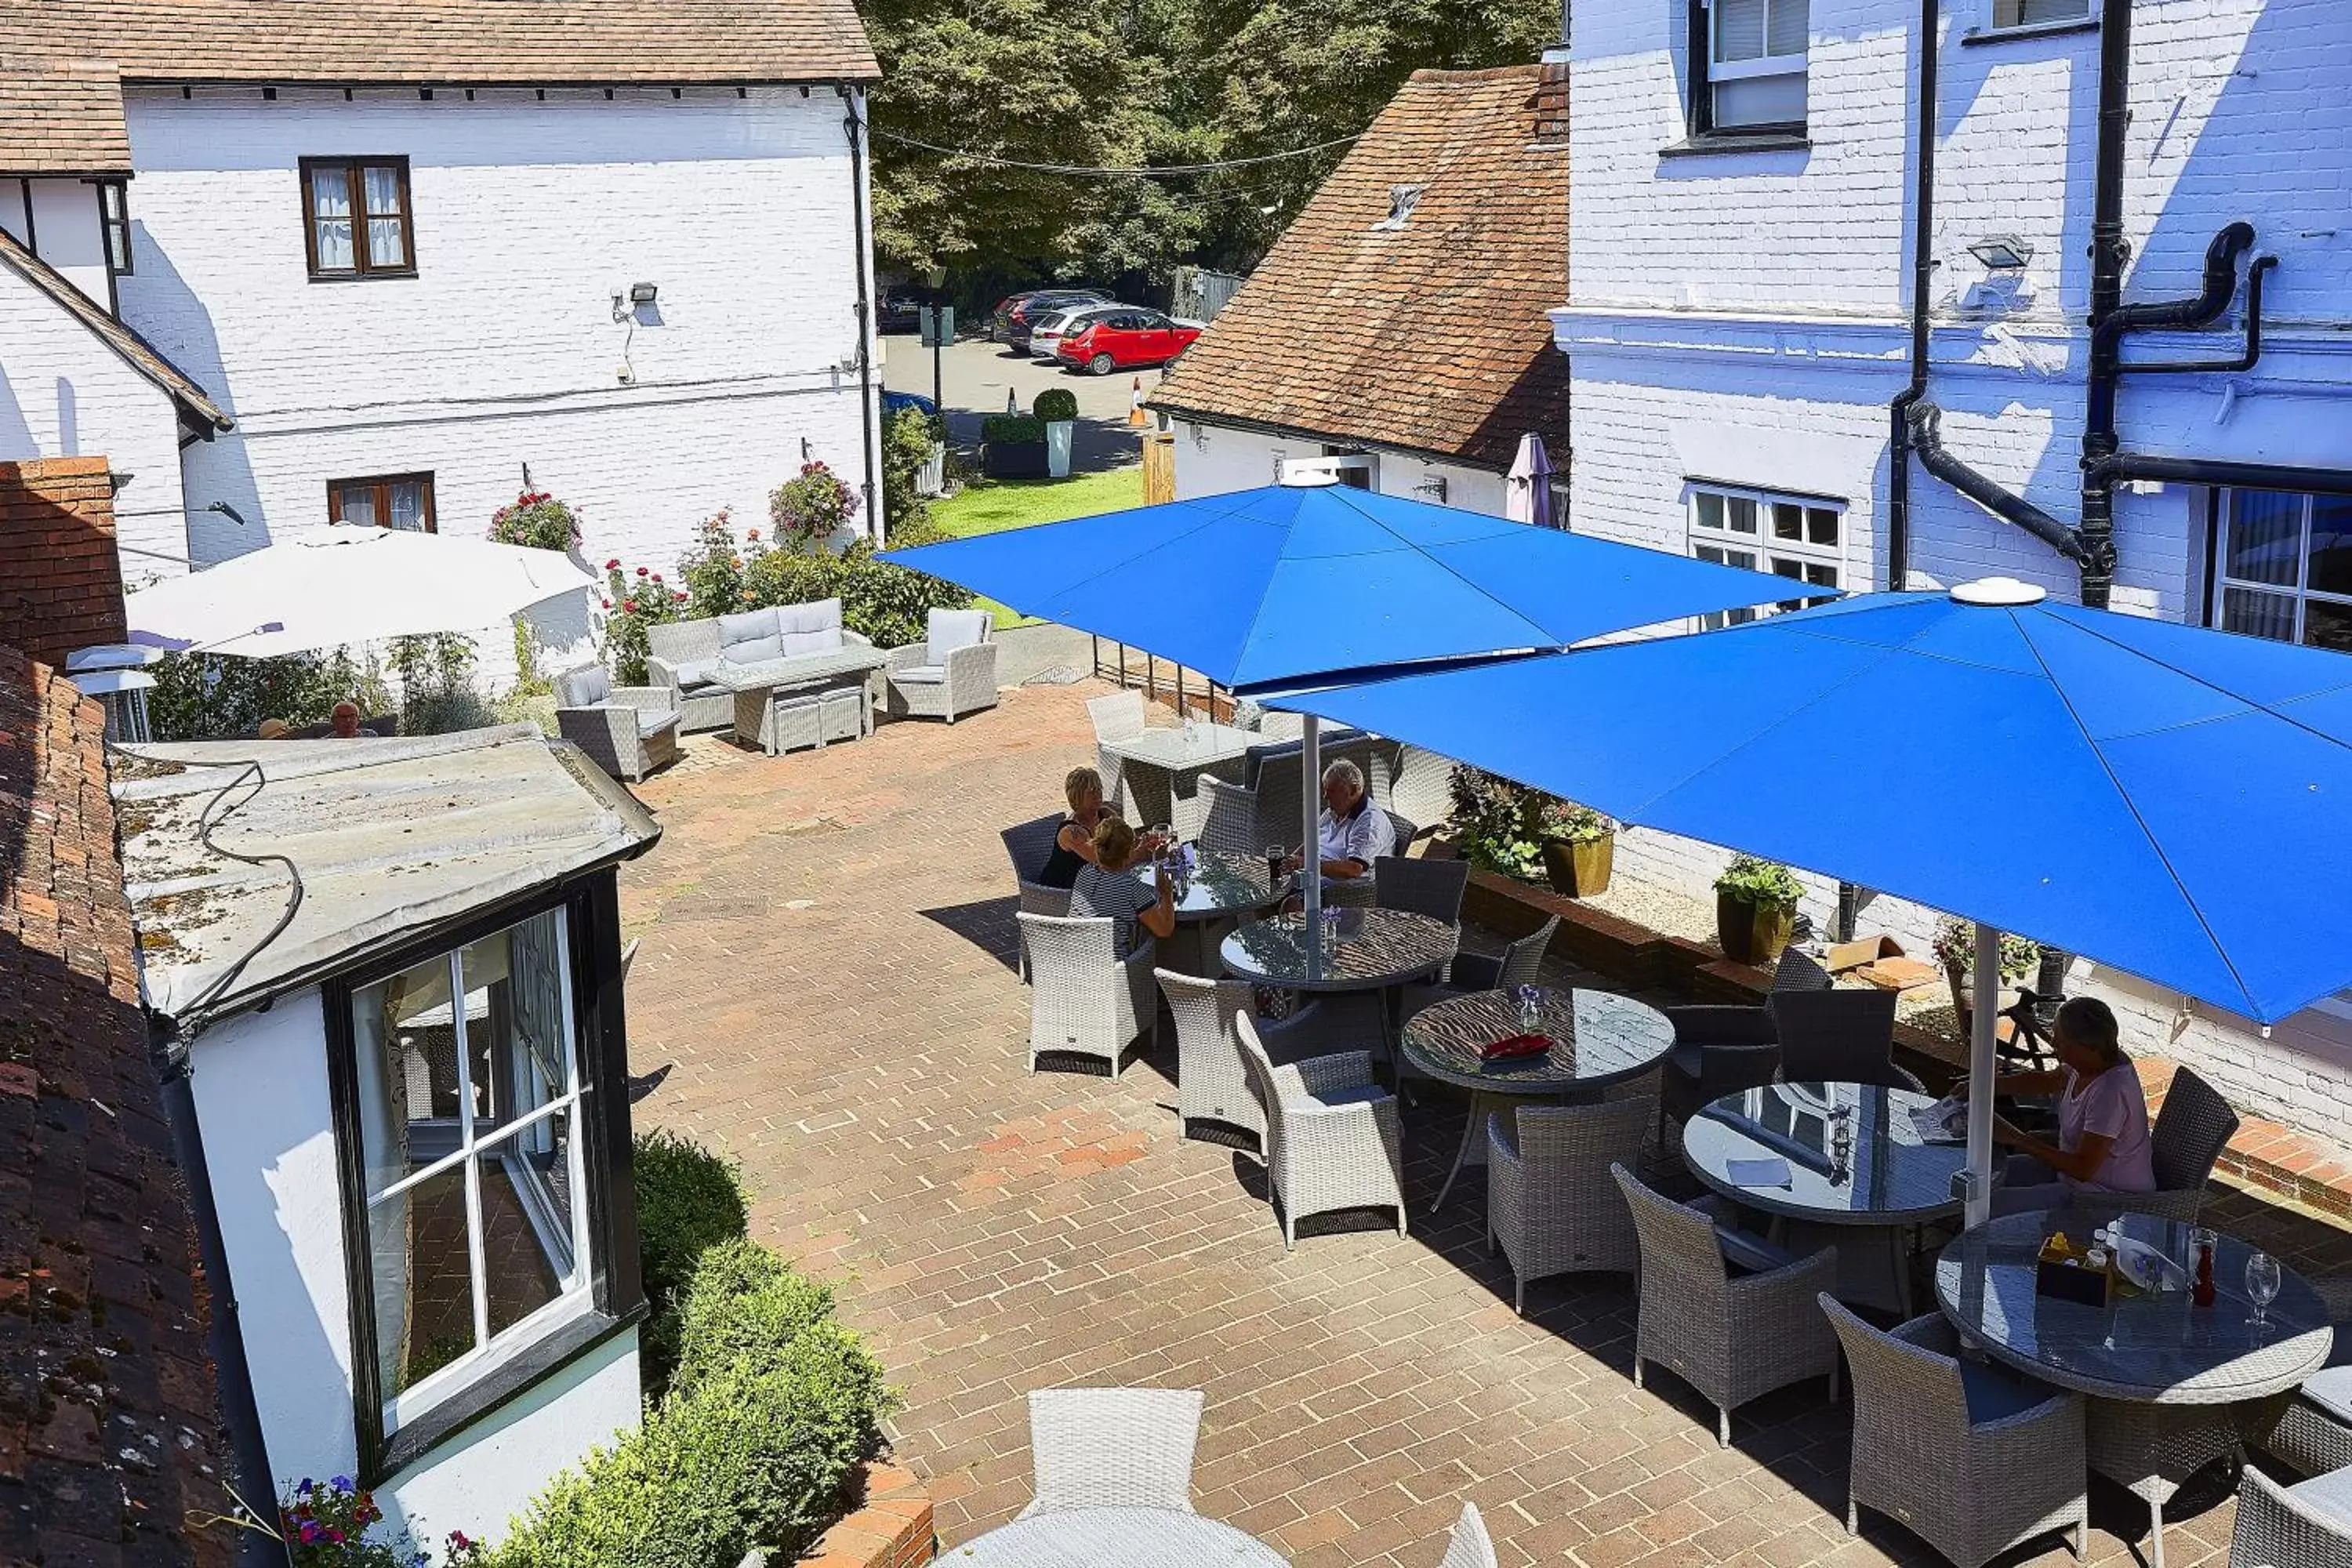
{"x": 60, "y": 580}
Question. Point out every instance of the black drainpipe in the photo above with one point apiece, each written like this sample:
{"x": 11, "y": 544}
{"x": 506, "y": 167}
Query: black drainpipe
{"x": 2109, "y": 250}
{"x": 1923, "y": 273}
{"x": 1928, "y": 439}
{"x": 854, "y": 126}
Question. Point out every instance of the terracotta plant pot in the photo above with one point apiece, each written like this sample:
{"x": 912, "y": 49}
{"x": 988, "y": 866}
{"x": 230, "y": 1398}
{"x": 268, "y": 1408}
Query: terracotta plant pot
{"x": 1753, "y": 933}
{"x": 1579, "y": 869}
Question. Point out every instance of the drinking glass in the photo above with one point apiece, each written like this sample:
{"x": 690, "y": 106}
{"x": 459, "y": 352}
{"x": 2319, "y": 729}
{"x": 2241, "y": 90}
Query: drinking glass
{"x": 2262, "y": 1287}
{"x": 1531, "y": 1007}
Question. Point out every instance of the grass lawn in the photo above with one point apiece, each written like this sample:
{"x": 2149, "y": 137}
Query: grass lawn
{"x": 990, "y": 505}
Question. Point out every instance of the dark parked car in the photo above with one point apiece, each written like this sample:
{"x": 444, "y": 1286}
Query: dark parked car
{"x": 1018, "y": 314}
{"x": 901, "y": 310}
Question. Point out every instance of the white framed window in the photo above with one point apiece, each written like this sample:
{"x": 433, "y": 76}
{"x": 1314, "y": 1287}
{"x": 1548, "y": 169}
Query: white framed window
{"x": 2005, "y": 13}
{"x": 1799, "y": 537}
{"x": 1756, "y": 63}
{"x": 2282, "y": 567}
{"x": 468, "y": 1090}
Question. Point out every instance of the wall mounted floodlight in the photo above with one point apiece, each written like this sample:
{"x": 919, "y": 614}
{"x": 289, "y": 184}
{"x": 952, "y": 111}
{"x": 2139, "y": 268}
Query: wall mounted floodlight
{"x": 643, "y": 293}
{"x": 2002, "y": 252}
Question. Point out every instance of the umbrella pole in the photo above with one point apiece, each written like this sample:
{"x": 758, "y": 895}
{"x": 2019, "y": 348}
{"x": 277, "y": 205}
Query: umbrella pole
{"x": 1983, "y": 1067}
{"x": 1310, "y": 848}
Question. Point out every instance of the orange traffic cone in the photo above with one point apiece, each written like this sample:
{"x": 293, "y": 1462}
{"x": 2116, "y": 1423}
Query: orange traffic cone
{"x": 1135, "y": 415}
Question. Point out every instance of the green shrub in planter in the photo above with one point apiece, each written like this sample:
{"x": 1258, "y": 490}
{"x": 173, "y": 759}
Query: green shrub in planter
{"x": 742, "y": 1303}
{"x": 1056, "y": 403}
{"x": 753, "y": 1455}
{"x": 1755, "y": 910}
{"x": 1011, "y": 429}
{"x": 689, "y": 1200}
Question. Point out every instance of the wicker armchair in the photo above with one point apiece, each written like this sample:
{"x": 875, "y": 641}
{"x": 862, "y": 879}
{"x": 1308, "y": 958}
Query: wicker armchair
{"x": 1838, "y": 1036}
{"x": 1517, "y": 964}
{"x": 1733, "y": 1338}
{"x": 1229, "y": 818}
{"x": 1212, "y": 1087}
{"x": 1432, "y": 888}
{"x": 950, "y": 673}
{"x": 2305, "y": 1526}
{"x": 1718, "y": 1050}
{"x": 1973, "y": 1459}
{"x": 2313, "y": 1433}
{"x": 1083, "y": 997}
{"x": 1551, "y": 1201}
{"x": 1112, "y": 1447}
{"x": 627, "y": 731}
{"x": 1468, "y": 1546}
{"x": 1332, "y": 1137}
{"x": 1027, "y": 846}
{"x": 1420, "y": 785}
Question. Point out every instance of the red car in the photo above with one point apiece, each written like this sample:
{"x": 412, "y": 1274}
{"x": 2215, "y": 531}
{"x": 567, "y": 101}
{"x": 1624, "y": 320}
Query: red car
{"x": 1126, "y": 340}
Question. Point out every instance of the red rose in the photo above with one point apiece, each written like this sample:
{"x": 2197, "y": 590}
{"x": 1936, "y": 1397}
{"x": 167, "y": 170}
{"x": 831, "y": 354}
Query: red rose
{"x": 613, "y": 564}
{"x": 630, "y": 606}
{"x": 641, "y": 572}
{"x": 680, "y": 597}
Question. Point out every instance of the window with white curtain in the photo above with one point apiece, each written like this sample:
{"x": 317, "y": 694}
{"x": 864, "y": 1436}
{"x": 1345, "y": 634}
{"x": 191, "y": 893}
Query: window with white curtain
{"x": 1756, "y": 63}
{"x": 2282, "y": 567}
{"x": 1798, "y": 537}
{"x": 356, "y": 217}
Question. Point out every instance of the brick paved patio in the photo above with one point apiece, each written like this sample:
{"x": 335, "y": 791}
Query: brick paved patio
{"x": 824, "y": 988}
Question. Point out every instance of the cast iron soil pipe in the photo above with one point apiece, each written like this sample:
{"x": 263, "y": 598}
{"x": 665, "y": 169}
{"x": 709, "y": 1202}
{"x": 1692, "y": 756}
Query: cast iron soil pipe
{"x": 1926, "y": 437}
{"x": 854, "y": 125}
{"x": 2246, "y": 360}
{"x": 1923, "y": 271}
{"x": 2108, "y": 251}
{"x": 2220, "y": 472}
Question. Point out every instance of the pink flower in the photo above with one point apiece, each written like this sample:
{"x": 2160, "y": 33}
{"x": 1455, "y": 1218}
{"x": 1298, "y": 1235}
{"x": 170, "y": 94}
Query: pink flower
{"x": 629, "y": 606}
{"x": 606, "y": 603}
{"x": 613, "y": 564}
{"x": 753, "y": 534}
{"x": 680, "y": 597}
{"x": 641, "y": 572}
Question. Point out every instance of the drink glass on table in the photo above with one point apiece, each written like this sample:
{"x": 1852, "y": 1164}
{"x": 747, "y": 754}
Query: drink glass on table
{"x": 2262, "y": 1280}
{"x": 1531, "y": 1008}
{"x": 1275, "y": 855}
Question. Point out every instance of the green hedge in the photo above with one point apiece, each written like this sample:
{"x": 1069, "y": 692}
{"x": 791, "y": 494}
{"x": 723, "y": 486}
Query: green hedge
{"x": 689, "y": 1200}
{"x": 1011, "y": 429}
{"x": 889, "y": 603}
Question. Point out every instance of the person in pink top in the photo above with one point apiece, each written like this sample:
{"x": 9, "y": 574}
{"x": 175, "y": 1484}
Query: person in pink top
{"x": 2102, "y": 1135}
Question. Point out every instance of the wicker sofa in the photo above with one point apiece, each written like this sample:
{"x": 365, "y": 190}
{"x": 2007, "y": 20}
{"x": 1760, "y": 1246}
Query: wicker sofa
{"x": 685, "y": 655}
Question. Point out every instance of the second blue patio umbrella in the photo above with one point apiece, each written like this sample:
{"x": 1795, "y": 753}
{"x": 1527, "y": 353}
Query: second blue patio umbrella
{"x": 2172, "y": 801}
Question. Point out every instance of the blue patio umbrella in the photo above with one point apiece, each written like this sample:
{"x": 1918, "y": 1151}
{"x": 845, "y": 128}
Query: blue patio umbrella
{"x": 2171, "y": 801}
{"x": 1310, "y": 581}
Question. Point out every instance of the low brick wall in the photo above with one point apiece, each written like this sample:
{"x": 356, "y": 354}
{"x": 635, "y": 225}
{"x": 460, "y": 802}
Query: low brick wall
{"x": 891, "y": 1526}
{"x": 2264, "y": 1154}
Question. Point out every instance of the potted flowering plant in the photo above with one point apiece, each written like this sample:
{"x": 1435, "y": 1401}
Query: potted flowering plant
{"x": 810, "y": 510}
{"x": 1580, "y": 847}
{"x": 327, "y": 1526}
{"x": 536, "y": 520}
{"x": 1956, "y": 950}
{"x": 1755, "y": 910}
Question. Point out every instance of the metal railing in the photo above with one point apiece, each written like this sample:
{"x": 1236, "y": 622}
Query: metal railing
{"x": 1186, "y": 688}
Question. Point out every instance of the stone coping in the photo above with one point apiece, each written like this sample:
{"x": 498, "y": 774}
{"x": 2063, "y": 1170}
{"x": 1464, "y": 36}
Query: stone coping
{"x": 2264, "y": 1155}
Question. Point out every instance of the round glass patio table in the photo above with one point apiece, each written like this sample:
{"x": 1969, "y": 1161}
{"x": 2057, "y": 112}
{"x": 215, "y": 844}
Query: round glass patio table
{"x": 1366, "y": 950}
{"x": 1220, "y": 887}
{"x": 1852, "y": 1157}
{"x": 2174, "y": 1385}
{"x": 1598, "y": 1039}
{"x": 1101, "y": 1537}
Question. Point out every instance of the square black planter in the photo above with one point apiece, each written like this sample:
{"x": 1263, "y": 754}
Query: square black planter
{"x": 1014, "y": 460}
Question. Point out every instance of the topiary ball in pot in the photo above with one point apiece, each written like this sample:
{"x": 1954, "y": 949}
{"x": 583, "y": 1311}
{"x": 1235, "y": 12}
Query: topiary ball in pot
{"x": 1055, "y": 403}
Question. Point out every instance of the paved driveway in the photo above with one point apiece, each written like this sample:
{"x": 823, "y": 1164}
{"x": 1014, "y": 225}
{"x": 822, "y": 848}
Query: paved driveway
{"x": 978, "y": 374}
{"x": 824, "y": 978}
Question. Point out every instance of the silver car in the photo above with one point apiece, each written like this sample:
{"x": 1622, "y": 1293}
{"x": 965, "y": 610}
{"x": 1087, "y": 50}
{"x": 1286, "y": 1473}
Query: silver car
{"x": 1046, "y": 337}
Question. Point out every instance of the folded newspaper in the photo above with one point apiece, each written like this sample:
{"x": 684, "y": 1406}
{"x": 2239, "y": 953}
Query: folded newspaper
{"x": 1945, "y": 1122}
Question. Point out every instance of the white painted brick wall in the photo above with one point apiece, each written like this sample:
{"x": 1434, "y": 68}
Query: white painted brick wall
{"x": 65, "y": 394}
{"x": 1214, "y": 460}
{"x": 502, "y": 351}
{"x": 1745, "y": 314}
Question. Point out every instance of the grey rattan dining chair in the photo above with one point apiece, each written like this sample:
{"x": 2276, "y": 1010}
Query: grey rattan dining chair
{"x": 1973, "y": 1459}
{"x": 1468, "y": 1546}
{"x": 1432, "y": 888}
{"x": 1115, "y": 718}
{"x": 1027, "y": 845}
{"x": 1521, "y": 963}
{"x": 1420, "y": 785}
{"x": 1332, "y": 1139}
{"x": 1084, "y": 998}
{"x": 1719, "y": 1049}
{"x": 1844, "y": 1036}
{"x": 1212, "y": 1086}
{"x": 1732, "y": 1337}
{"x": 1112, "y": 1447}
{"x": 2290, "y": 1526}
{"x": 2314, "y": 1432}
{"x": 1551, "y": 1201}
{"x": 2192, "y": 1127}
{"x": 1229, "y": 818}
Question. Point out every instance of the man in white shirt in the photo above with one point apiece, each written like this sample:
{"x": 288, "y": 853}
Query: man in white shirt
{"x": 1352, "y": 832}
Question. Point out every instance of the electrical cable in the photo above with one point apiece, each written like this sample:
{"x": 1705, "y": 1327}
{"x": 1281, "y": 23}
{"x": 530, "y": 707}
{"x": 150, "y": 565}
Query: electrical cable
{"x": 1112, "y": 173}
{"x": 192, "y": 1015}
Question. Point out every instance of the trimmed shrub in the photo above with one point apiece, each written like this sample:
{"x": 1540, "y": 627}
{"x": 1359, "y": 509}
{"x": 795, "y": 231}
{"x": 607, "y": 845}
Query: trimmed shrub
{"x": 689, "y": 1200}
{"x": 1056, "y": 403}
{"x": 1011, "y": 429}
{"x": 741, "y": 1304}
{"x": 908, "y": 435}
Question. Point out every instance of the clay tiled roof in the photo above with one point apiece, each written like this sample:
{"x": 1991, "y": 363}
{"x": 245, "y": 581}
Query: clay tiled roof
{"x": 1431, "y": 335}
{"x": 111, "y": 1431}
{"x": 460, "y": 42}
{"x": 62, "y": 117}
{"x": 198, "y": 409}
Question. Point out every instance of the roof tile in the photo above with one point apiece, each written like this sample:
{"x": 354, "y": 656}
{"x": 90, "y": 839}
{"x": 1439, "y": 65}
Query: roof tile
{"x": 62, "y": 117}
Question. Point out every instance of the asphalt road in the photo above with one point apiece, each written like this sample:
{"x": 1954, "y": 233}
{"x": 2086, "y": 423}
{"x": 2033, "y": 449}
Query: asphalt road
{"x": 976, "y": 375}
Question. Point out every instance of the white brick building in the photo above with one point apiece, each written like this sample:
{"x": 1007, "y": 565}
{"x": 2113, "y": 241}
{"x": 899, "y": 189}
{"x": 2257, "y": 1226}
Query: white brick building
{"x": 624, "y": 253}
{"x": 1738, "y": 324}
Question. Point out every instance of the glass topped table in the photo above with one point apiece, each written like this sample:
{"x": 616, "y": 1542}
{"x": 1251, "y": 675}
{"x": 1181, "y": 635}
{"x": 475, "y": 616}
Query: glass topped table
{"x": 1367, "y": 949}
{"x": 1599, "y": 1039}
{"x": 757, "y": 688}
{"x": 2174, "y": 1385}
{"x": 1848, "y": 1156}
{"x": 1162, "y": 769}
{"x": 1219, "y": 887}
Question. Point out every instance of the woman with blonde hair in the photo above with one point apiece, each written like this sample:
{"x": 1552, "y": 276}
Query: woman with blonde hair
{"x": 1074, "y": 845}
{"x": 1106, "y": 888}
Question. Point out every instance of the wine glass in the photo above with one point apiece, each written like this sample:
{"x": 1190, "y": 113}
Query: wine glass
{"x": 2262, "y": 1287}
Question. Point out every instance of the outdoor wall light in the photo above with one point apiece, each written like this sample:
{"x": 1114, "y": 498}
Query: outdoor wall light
{"x": 2002, "y": 252}
{"x": 643, "y": 293}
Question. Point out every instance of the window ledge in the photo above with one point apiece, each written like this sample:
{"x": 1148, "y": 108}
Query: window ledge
{"x": 497, "y": 1388}
{"x": 2031, "y": 30}
{"x": 1716, "y": 142}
